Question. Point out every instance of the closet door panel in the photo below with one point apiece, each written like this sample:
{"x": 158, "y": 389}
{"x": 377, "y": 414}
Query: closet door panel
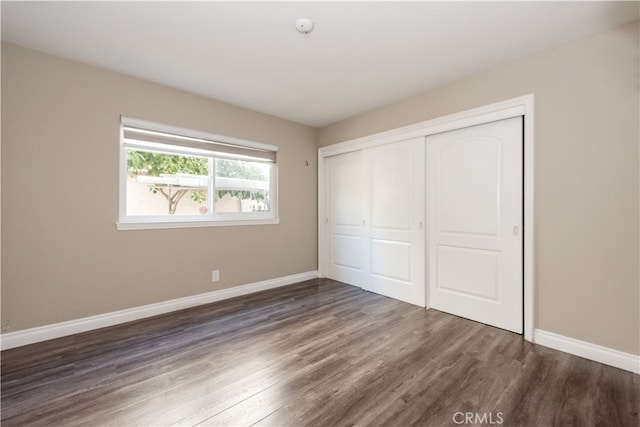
{"x": 344, "y": 212}
{"x": 396, "y": 210}
{"x": 475, "y": 223}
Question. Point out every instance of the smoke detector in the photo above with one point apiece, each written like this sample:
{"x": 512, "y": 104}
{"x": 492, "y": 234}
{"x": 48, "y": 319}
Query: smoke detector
{"x": 304, "y": 25}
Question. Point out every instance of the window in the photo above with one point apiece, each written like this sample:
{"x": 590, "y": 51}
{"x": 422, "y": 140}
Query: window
{"x": 173, "y": 177}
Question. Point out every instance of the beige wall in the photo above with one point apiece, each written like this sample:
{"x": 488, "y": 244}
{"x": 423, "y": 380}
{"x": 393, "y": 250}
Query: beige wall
{"x": 60, "y": 120}
{"x": 586, "y": 176}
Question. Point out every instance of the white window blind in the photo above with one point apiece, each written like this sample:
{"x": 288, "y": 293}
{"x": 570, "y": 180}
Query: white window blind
{"x": 145, "y": 134}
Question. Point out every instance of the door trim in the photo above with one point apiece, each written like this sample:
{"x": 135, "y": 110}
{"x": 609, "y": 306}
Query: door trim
{"x": 520, "y": 106}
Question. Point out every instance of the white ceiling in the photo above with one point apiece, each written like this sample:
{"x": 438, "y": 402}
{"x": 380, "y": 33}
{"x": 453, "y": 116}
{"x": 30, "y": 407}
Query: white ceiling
{"x": 361, "y": 55}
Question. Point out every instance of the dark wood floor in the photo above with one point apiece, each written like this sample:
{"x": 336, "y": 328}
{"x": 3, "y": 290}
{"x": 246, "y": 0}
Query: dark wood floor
{"x": 317, "y": 353}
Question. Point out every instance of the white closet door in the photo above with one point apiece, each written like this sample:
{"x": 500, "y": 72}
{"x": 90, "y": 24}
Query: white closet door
{"x": 396, "y": 252}
{"x": 344, "y": 218}
{"x": 475, "y": 223}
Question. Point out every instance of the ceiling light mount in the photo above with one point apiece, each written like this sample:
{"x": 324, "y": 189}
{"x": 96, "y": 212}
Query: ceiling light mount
{"x": 304, "y": 25}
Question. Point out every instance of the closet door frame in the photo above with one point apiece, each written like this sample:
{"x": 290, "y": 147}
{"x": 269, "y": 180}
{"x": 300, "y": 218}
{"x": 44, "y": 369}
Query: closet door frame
{"x": 521, "y": 106}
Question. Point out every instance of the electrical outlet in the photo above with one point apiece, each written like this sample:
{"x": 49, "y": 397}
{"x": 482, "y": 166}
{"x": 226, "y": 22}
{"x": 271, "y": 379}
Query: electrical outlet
{"x": 215, "y": 275}
{"x": 6, "y": 325}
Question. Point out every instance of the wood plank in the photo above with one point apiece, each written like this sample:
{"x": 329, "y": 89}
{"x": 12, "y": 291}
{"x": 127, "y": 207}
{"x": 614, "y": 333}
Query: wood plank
{"x": 314, "y": 353}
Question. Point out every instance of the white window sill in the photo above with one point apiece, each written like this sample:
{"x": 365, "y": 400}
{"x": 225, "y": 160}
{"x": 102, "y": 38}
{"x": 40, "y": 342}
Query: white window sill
{"x": 156, "y": 225}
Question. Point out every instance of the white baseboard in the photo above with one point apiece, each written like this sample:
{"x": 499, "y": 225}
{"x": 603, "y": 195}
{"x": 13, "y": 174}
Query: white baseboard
{"x": 57, "y": 330}
{"x": 605, "y": 355}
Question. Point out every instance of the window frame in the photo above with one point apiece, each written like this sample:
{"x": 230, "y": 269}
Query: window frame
{"x": 145, "y": 222}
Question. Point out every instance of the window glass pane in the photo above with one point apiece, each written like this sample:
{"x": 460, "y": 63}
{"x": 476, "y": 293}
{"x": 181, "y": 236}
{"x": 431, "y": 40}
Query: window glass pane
{"x": 242, "y": 186}
{"x": 166, "y": 184}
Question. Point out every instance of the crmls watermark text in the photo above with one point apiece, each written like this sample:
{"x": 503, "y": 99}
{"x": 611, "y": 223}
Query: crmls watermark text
{"x": 481, "y": 418}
